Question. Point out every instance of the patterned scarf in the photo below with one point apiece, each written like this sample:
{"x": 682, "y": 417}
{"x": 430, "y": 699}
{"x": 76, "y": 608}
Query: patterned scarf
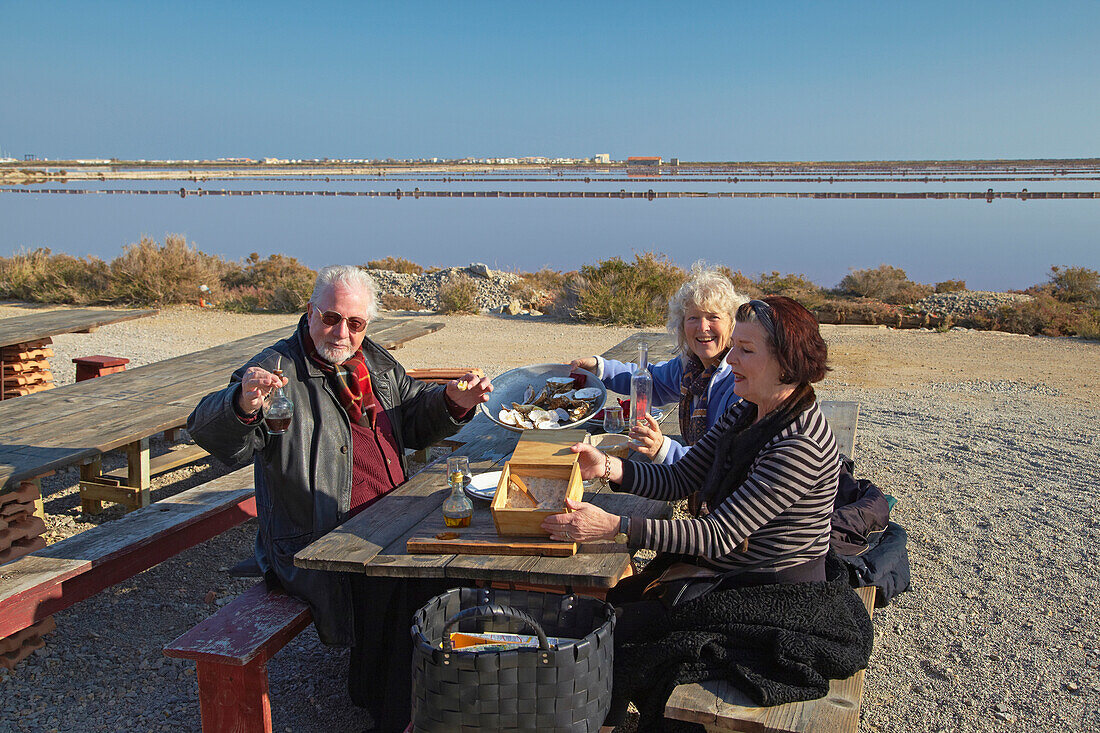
{"x": 350, "y": 381}
{"x": 694, "y": 391}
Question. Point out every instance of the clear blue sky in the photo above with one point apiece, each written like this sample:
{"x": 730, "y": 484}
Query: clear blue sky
{"x": 701, "y": 81}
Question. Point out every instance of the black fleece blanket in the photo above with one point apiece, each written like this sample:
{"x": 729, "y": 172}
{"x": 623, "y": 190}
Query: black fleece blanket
{"x": 778, "y": 643}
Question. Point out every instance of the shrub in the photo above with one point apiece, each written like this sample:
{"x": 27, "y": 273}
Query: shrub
{"x": 618, "y": 293}
{"x": 951, "y": 286}
{"x": 41, "y": 277}
{"x": 1043, "y": 315}
{"x": 150, "y": 274}
{"x": 394, "y": 302}
{"x": 280, "y": 284}
{"x": 458, "y": 295}
{"x": 396, "y": 264}
{"x": 886, "y": 283}
{"x": 1075, "y": 285}
{"x": 793, "y": 286}
{"x": 856, "y": 311}
{"x": 540, "y": 289}
{"x": 743, "y": 284}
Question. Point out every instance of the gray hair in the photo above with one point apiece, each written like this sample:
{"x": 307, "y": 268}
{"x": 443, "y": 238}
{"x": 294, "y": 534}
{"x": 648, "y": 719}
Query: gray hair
{"x": 707, "y": 289}
{"x": 349, "y": 276}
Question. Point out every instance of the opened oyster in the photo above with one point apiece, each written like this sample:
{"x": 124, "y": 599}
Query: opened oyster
{"x": 551, "y": 406}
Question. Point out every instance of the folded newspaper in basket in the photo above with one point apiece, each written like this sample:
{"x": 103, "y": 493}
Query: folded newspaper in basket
{"x": 490, "y": 641}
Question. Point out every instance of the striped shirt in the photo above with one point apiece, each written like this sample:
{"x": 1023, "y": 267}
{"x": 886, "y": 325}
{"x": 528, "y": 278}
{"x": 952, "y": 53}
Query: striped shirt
{"x": 784, "y": 504}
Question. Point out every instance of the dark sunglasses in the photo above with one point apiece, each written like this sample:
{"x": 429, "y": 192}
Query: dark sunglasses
{"x": 332, "y": 318}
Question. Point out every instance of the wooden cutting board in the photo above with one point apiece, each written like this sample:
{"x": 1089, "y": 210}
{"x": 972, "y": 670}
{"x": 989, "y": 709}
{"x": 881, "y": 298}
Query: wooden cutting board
{"x": 547, "y": 447}
{"x": 480, "y": 538}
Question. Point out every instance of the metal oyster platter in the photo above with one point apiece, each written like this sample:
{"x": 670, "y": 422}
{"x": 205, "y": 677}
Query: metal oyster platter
{"x": 519, "y": 384}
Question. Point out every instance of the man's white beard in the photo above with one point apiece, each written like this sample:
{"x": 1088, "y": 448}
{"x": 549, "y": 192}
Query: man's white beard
{"x": 335, "y": 355}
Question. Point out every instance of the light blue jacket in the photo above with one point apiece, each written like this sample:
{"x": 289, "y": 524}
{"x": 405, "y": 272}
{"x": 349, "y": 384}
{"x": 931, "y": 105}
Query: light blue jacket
{"x": 667, "y": 376}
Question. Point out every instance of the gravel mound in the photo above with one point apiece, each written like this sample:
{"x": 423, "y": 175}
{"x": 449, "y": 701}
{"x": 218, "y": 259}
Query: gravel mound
{"x": 493, "y": 286}
{"x": 966, "y": 303}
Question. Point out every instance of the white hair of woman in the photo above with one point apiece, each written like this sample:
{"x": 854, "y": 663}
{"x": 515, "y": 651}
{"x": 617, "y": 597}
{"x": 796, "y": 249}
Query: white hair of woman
{"x": 708, "y": 290}
{"x": 351, "y": 277}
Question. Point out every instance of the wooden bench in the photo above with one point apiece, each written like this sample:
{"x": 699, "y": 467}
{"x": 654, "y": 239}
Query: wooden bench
{"x": 231, "y": 649}
{"x": 52, "y": 579}
{"x": 720, "y": 706}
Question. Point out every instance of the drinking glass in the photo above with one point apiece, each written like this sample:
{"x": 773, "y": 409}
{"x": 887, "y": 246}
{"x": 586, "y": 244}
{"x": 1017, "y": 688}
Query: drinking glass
{"x": 613, "y": 419}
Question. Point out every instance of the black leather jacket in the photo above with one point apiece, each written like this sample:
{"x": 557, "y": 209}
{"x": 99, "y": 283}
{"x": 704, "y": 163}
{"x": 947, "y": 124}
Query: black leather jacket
{"x": 303, "y": 477}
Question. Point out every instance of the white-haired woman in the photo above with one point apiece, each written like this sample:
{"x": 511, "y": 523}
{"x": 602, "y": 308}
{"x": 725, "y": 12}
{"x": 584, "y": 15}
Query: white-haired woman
{"x": 700, "y": 316}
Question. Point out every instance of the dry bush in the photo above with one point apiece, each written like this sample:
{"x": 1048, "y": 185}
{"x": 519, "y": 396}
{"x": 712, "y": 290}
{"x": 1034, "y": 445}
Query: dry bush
{"x": 458, "y": 295}
{"x": 1045, "y": 315}
{"x": 539, "y": 289}
{"x": 620, "y": 293}
{"x": 279, "y": 284}
{"x": 797, "y": 287}
{"x": 886, "y": 283}
{"x": 393, "y": 302}
{"x": 1075, "y": 285}
{"x": 396, "y": 264}
{"x": 150, "y": 274}
{"x": 858, "y": 311}
{"x": 41, "y": 277}
{"x": 742, "y": 283}
{"x": 951, "y": 286}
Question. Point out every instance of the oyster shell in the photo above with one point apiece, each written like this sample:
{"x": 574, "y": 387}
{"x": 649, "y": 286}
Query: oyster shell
{"x": 508, "y": 417}
{"x": 559, "y": 384}
{"x": 587, "y": 394}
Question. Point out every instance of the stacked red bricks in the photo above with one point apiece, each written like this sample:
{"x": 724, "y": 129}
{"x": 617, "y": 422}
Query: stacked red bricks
{"x": 20, "y": 534}
{"x": 26, "y": 368}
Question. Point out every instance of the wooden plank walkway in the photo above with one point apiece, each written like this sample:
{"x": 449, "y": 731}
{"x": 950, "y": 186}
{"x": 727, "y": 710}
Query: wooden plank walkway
{"x": 35, "y": 326}
{"x": 79, "y": 422}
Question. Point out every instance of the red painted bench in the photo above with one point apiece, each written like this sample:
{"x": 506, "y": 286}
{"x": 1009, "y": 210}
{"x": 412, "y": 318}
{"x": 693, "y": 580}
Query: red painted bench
{"x": 53, "y": 579}
{"x": 231, "y": 649}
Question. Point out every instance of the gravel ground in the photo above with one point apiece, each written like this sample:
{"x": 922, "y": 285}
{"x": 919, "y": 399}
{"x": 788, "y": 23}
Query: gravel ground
{"x": 988, "y": 440}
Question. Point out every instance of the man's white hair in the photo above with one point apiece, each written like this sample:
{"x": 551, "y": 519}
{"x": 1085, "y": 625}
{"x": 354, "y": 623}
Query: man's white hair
{"x": 348, "y": 276}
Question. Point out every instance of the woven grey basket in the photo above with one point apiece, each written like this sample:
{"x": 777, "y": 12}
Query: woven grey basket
{"x": 526, "y": 689}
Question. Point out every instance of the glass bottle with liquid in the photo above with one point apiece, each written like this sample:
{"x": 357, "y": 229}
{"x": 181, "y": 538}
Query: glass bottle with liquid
{"x": 641, "y": 388}
{"x": 279, "y": 410}
{"x": 457, "y": 509}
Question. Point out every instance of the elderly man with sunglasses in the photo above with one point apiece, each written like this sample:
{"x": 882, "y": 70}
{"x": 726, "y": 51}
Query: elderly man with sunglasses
{"x": 355, "y": 412}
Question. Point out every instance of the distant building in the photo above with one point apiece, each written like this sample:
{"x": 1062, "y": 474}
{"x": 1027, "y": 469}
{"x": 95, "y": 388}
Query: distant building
{"x": 644, "y": 161}
{"x": 674, "y": 161}
{"x": 601, "y": 158}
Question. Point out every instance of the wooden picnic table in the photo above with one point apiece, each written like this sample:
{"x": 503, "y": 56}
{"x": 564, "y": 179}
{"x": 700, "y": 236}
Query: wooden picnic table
{"x": 25, "y": 340}
{"x": 374, "y": 542}
{"x": 78, "y": 423}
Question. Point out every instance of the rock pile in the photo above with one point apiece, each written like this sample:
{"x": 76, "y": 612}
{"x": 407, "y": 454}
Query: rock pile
{"x": 966, "y": 303}
{"x": 494, "y": 288}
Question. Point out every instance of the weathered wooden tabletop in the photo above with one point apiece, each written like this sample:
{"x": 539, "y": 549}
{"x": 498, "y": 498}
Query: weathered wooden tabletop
{"x": 77, "y": 422}
{"x": 374, "y": 542}
{"x": 35, "y": 326}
